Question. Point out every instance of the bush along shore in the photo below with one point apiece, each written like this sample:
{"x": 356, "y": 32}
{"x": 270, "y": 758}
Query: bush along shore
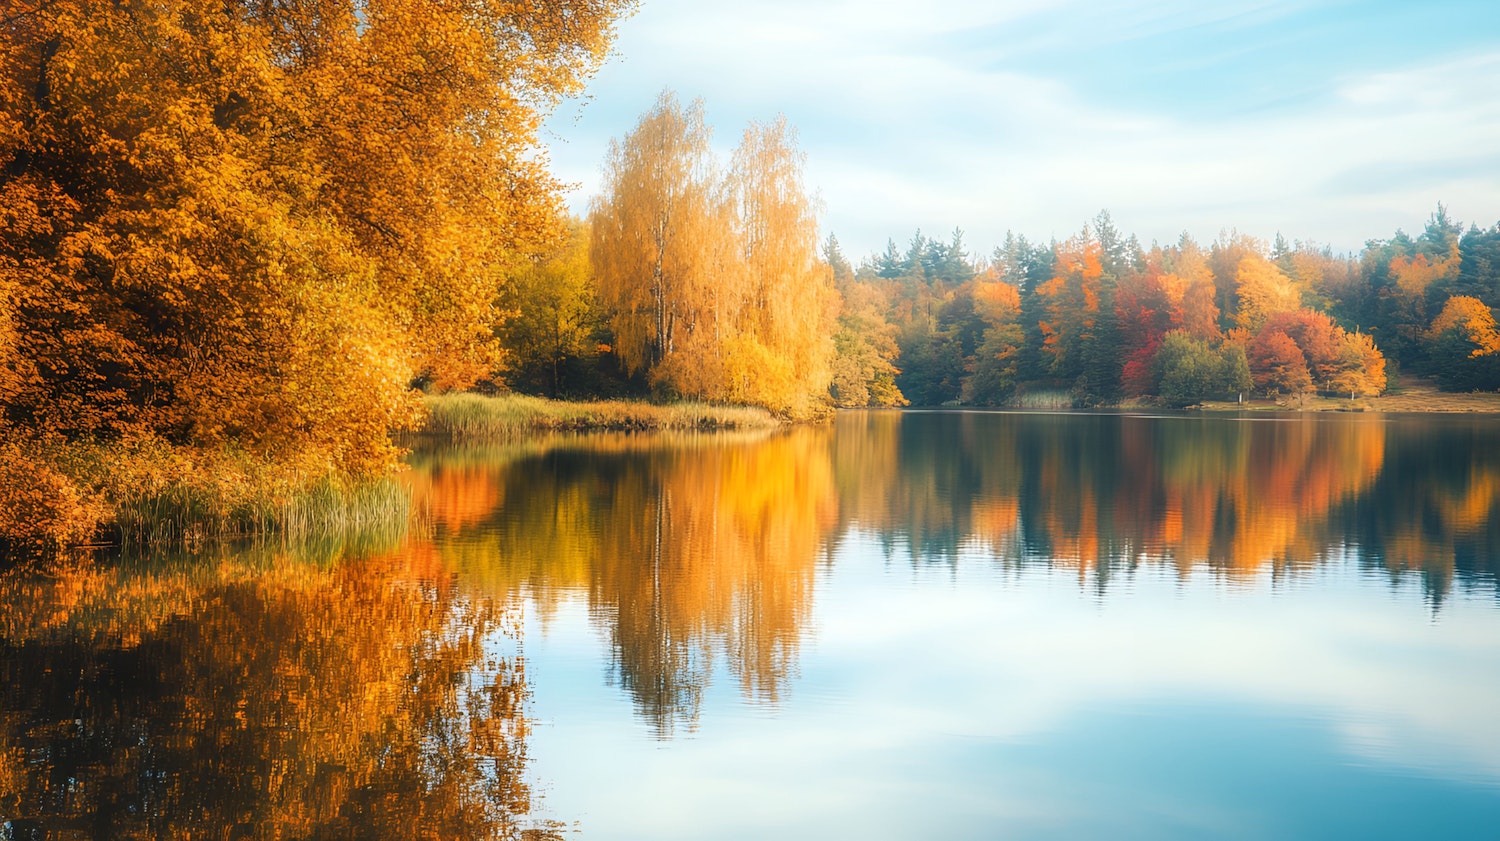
{"x": 467, "y": 416}
{"x": 57, "y": 495}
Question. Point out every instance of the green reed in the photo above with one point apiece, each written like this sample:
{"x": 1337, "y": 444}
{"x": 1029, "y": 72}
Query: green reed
{"x": 475, "y": 416}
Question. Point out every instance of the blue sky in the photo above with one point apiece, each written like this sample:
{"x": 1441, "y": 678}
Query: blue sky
{"x": 1332, "y": 122}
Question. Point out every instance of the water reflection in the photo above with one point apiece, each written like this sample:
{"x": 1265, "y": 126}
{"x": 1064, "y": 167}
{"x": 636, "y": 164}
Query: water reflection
{"x": 254, "y": 695}
{"x": 368, "y": 689}
{"x": 693, "y": 550}
{"x": 1104, "y": 493}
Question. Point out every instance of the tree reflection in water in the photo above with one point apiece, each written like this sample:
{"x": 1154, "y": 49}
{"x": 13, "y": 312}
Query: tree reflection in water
{"x": 257, "y": 697}
{"x": 694, "y": 550}
{"x": 359, "y": 691}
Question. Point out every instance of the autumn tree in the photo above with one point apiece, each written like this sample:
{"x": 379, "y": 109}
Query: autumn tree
{"x": 993, "y": 372}
{"x": 782, "y": 349}
{"x": 1359, "y": 367}
{"x": 1332, "y": 359}
{"x": 1277, "y": 365}
{"x": 1224, "y": 258}
{"x": 1198, "y": 313}
{"x": 1316, "y": 336}
{"x": 1464, "y": 344}
{"x": 1262, "y": 291}
{"x": 259, "y": 222}
{"x": 555, "y": 315}
{"x": 713, "y": 284}
{"x": 649, "y": 228}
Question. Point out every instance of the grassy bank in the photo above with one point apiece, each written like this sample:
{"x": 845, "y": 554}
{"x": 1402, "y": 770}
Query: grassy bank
{"x": 188, "y": 512}
{"x": 1413, "y": 396}
{"x": 56, "y": 494}
{"x": 478, "y": 417}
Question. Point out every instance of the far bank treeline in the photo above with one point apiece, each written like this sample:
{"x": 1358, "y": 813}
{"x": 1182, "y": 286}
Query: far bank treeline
{"x": 710, "y": 286}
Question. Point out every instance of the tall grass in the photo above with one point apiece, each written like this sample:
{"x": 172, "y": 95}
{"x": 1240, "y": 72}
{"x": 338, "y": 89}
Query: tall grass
{"x": 185, "y": 512}
{"x": 478, "y": 417}
{"x": 1044, "y": 399}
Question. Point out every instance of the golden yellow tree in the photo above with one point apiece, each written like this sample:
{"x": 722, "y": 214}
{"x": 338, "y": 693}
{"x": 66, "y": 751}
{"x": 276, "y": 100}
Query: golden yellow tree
{"x": 1469, "y": 318}
{"x": 713, "y": 285}
{"x": 1198, "y": 313}
{"x": 785, "y": 343}
{"x": 1263, "y": 291}
{"x": 258, "y": 221}
{"x": 1360, "y": 367}
{"x": 649, "y": 228}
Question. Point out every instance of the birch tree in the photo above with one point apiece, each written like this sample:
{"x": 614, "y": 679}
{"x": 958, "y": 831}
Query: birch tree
{"x": 650, "y": 227}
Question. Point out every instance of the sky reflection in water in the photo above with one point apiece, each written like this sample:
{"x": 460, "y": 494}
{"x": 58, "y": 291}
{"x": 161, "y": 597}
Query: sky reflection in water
{"x": 964, "y": 625}
{"x": 1007, "y": 624}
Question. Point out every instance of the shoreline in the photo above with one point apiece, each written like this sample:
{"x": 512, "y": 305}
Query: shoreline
{"x": 1413, "y": 397}
{"x": 466, "y": 416}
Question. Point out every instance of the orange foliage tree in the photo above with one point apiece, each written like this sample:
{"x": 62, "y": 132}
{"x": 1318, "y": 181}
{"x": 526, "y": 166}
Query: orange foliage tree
{"x": 1463, "y": 343}
{"x": 1277, "y": 364}
{"x": 1072, "y": 308}
{"x": 1330, "y": 358}
{"x": 1468, "y": 317}
{"x": 1414, "y": 274}
{"x": 714, "y": 285}
{"x": 258, "y": 222}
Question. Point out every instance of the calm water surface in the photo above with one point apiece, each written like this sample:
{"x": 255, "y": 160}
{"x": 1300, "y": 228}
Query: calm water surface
{"x": 908, "y": 625}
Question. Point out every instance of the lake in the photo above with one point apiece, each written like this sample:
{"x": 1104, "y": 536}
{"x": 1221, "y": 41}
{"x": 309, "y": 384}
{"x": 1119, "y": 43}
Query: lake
{"x": 903, "y": 625}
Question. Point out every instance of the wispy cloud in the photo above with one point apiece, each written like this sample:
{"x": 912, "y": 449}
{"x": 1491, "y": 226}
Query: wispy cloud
{"x": 1034, "y": 115}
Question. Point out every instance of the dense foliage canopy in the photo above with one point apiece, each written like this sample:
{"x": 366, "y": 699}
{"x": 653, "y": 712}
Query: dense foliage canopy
{"x": 257, "y": 221}
{"x": 713, "y": 280}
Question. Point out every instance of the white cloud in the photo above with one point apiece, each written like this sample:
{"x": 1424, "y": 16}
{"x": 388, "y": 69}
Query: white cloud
{"x": 913, "y": 116}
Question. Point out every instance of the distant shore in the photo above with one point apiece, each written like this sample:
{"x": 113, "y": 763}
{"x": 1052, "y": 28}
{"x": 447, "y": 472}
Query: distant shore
{"x": 477, "y": 416}
{"x": 1413, "y": 396}
{"x": 469, "y": 416}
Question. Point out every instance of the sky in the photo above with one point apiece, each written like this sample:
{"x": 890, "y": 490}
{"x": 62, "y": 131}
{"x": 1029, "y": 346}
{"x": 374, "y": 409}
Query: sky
{"x": 1329, "y": 122}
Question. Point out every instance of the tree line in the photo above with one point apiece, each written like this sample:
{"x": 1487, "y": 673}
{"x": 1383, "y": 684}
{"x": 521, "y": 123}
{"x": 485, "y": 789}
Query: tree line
{"x": 1092, "y": 320}
{"x": 1101, "y": 318}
